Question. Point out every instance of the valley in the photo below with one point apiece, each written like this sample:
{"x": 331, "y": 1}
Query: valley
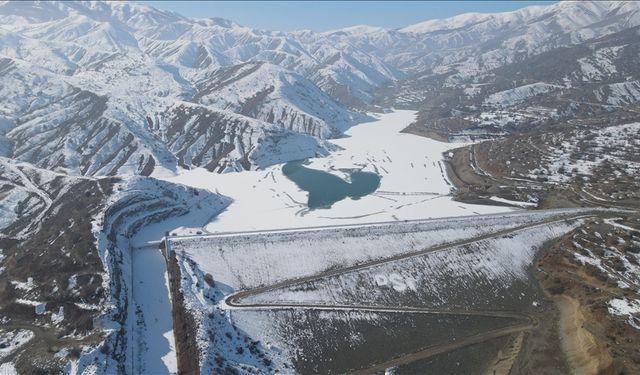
{"x": 196, "y": 196}
{"x": 413, "y": 184}
{"x": 282, "y": 208}
{"x": 282, "y": 276}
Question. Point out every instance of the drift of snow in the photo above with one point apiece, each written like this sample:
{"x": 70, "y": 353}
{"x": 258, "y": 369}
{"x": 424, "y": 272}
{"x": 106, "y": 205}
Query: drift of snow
{"x": 12, "y": 341}
{"x": 612, "y": 222}
{"x": 8, "y": 369}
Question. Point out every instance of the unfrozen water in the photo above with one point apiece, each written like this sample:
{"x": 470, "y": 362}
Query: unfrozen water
{"x": 325, "y": 188}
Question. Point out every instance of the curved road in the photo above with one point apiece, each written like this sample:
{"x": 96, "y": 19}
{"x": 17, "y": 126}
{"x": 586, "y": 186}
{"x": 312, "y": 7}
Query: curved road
{"x": 234, "y": 301}
{"x": 235, "y": 298}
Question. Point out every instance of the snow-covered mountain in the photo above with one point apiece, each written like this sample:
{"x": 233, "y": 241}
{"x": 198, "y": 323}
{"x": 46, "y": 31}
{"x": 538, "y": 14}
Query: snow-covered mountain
{"x": 119, "y": 27}
{"x": 275, "y": 95}
{"x": 94, "y": 94}
{"x": 96, "y": 88}
{"x": 546, "y": 64}
{"x": 101, "y": 88}
{"x": 475, "y": 42}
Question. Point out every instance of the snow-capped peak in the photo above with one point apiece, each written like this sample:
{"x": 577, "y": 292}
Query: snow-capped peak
{"x": 578, "y": 12}
{"x": 357, "y": 30}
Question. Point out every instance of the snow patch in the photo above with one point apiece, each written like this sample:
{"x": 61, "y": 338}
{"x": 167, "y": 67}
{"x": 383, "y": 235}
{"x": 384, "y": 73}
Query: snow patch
{"x": 626, "y": 307}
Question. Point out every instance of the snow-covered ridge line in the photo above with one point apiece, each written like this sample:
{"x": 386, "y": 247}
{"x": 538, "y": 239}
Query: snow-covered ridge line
{"x": 466, "y": 19}
{"x": 103, "y": 28}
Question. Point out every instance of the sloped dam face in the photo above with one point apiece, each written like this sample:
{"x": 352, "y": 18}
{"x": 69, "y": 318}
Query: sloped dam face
{"x": 325, "y": 188}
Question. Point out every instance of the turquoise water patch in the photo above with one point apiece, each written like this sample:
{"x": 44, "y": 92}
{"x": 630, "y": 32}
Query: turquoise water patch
{"x": 325, "y": 189}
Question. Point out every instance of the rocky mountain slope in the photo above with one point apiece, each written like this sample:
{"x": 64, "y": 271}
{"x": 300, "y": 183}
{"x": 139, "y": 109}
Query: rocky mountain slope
{"x": 65, "y": 263}
{"x": 52, "y": 278}
{"x": 513, "y": 71}
{"x": 95, "y": 88}
{"x": 129, "y": 66}
{"x": 95, "y": 96}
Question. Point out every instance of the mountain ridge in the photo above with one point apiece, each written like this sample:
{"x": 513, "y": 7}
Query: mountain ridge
{"x": 145, "y": 62}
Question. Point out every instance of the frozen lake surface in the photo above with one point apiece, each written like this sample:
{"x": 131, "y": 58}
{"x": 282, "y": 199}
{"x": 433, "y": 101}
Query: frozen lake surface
{"x": 413, "y": 183}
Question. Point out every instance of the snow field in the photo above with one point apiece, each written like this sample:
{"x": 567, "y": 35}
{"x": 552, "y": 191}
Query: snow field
{"x": 154, "y": 347}
{"x": 279, "y": 256}
{"x": 477, "y": 274}
{"x": 413, "y": 183}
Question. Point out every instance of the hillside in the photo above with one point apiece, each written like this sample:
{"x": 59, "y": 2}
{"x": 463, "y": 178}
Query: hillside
{"x": 192, "y": 195}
